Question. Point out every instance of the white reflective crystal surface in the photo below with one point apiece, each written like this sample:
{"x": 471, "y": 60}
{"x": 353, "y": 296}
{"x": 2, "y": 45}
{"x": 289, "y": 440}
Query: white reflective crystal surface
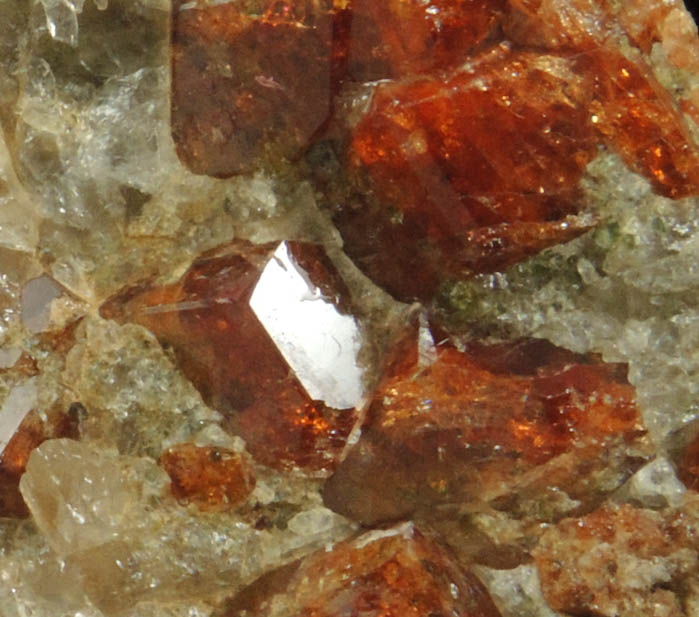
{"x": 37, "y": 296}
{"x": 319, "y": 343}
{"x": 19, "y": 402}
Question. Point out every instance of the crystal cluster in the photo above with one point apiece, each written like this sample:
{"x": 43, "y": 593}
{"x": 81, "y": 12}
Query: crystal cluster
{"x": 470, "y": 149}
{"x": 348, "y": 307}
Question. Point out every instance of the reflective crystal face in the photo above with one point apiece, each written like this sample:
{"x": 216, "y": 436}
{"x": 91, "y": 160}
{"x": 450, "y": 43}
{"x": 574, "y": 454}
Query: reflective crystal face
{"x": 264, "y": 334}
{"x": 319, "y": 342}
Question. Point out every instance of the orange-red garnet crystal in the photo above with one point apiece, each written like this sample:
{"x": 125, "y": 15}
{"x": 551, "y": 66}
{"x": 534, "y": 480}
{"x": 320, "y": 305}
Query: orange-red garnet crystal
{"x": 392, "y": 572}
{"x": 212, "y": 478}
{"x": 264, "y": 334}
{"x": 254, "y": 81}
{"x": 506, "y": 421}
{"x": 474, "y": 170}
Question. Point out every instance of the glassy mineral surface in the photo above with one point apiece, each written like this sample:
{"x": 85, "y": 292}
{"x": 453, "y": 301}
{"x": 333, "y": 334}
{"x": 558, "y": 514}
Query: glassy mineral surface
{"x": 318, "y": 308}
{"x": 264, "y": 334}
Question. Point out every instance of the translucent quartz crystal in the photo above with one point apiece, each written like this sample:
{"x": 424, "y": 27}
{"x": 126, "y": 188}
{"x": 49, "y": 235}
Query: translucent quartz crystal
{"x": 18, "y": 215}
{"x": 276, "y": 382}
{"x": 212, "y": 478}
{"x": 21, "y": 431}
{"x": 509, "y": 422}
{"x": 394, "y": 571}
{"x": 657, "y": 485}
{"x": 528, "y": 601}
{"x": 77, "y": 497}
{"x": 122, "y": 538}
{"x": 37, "y": 295}
{"x": 62, "y": 19}
{"x": 621, "y": 560}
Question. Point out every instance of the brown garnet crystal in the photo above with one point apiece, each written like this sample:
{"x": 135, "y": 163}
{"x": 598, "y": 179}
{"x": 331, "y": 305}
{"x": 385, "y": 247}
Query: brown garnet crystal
{"x": 264, "y": 334}
{"x": 392, "y": 572}
{"x": 502, "y": 423}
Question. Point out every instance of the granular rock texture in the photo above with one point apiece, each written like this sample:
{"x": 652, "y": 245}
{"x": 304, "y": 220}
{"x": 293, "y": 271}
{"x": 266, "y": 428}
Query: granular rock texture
{"x": 621, "y": 560}
{"x": 318, "y": 308}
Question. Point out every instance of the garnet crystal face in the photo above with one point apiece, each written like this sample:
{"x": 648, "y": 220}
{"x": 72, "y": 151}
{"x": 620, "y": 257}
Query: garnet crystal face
{"x": 264, "y": 334}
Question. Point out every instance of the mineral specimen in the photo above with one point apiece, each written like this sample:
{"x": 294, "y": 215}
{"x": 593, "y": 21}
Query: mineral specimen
{"x": 291, "y": 393}
{"x": 385, "y": 572}
{"x": 211, "y": 213}
{"x": 468, "y": 170}
{"x": 271, "y": 70}
{"x": 482, "y": 169}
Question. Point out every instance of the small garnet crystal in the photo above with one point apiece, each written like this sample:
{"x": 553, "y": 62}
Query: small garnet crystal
{"x": 211, "y": 478}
